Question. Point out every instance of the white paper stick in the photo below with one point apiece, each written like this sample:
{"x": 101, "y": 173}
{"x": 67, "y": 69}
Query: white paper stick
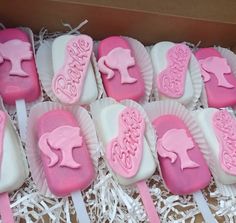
{"x": 203, "y": 207}
{"x": 21, "y": 117}
{"x": 80, "y": 207}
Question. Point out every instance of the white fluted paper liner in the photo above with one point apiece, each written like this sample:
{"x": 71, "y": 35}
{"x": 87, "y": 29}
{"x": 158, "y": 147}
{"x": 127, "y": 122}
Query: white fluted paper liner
{"x": 203, "y": 98}
{"x": 196, "y": 80}
{"x": 101, "y": 90}
{"x": 12, "y": 108}
{"x": 230, "y": 57}
{"x": 86, "y": 125}
{"x": 170, "y": 107}
{"x": 23, "y": 156}
{"x": 45, "y": 69}
{"x": 143, "y": 60}
{"x": 97, "y": 106}
{"x": 195, "y": 75}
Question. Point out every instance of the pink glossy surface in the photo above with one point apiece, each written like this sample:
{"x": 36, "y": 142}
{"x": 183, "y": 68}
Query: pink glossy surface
{"x": 18, "y": 87}
{"x": 64, "y": 180}
{"x": 113, "y": 87}
{"x": 218, "y": 96}
{"x": 180, "y": 181}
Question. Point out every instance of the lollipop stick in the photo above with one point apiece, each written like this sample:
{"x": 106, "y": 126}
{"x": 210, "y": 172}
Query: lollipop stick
{"x": 147, "y": 201}
{"x": 22, "y": 117}
{"x": 5, "y": 210}
{"x": 80, "y": 207}
{"x": 203, "y": 207}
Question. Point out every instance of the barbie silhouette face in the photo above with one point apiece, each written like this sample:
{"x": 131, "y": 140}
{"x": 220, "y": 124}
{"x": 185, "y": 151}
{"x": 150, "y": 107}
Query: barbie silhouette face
{"x": 65, "y": 139}
{"x": 175, "y": 143}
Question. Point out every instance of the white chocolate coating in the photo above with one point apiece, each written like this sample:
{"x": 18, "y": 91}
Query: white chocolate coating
{"x": 108, "y": 125}
{"x": 90, "y": 91}
{"x": 14, "y": 169}
{"x": 204, "y": 119}
{"x": 159, "y": 61}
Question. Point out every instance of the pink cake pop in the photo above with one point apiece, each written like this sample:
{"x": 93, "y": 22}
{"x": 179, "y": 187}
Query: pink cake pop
{"x": 63, "y": 153}
{"x": 19, "y": 78}
{"x": 123, "y": 131}
{"x": 125, "y": 68}
{"x": 182, "y": 165}
{"x": 18, "y": 75}
{"x": 59, "y": 151}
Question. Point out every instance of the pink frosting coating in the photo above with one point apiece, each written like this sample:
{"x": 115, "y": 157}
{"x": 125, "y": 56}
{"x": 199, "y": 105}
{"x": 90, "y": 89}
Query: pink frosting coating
{"x": 63, "y": 176}
{"x": 220, "y": 83}
{"x": 18, "y": 75}
{"x": 176, "y": 143}
{"x": 225, "y": 128}
{"x": 171, "y": 81}
{"x": 68, "y": 82}
{"x": 122, "y": 81}
{"x": 3, "y": 119}
{"x": 181, "y": 180}
{"x": 124, "y": 153}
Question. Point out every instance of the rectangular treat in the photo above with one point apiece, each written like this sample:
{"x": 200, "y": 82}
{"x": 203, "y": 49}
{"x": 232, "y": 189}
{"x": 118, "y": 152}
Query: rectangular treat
{"x": 121, "y": 75}
{"x": 18, "y": 74}
{"x": 183, "y": 167}
{"x": 219, "y": 128}
{"x": 129, "y": 165}
{"x": 66, "y": 160}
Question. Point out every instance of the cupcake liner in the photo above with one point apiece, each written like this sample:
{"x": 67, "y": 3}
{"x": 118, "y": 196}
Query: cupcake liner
{"x": 12, "y": 108}
{"x": 195, "y": 75}
{"x": 101, "y": 90}
{"x": 196, "y": 80}
{"x": 154, "y": 93}
{"x": 87, "y": 127}
{"x": 170, "y": 107}
{"x": 45, "y": 69}
{"x": 203, "y": 98}
{"x": 98, "y": 106}
{"x": 230, "y": 57}
{"x": 44, "y": 66}
{"x": 144, "y": 62}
